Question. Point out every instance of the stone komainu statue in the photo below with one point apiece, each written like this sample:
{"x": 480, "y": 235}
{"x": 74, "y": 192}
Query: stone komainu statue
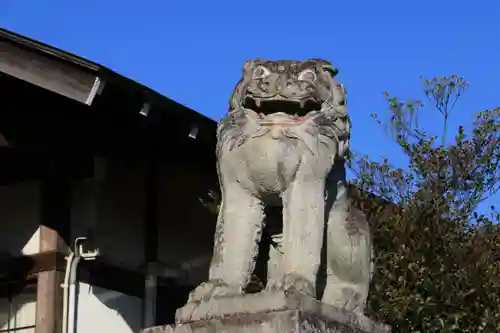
{"x": 283, "y": 144}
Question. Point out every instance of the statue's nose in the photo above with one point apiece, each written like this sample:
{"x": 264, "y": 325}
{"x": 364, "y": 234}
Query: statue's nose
{"x": 292, "y": 88}
{"x": 279, "y": 84}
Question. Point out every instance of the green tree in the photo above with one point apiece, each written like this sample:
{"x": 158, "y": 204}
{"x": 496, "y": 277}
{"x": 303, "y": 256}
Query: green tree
{"x": 437, "y": 259}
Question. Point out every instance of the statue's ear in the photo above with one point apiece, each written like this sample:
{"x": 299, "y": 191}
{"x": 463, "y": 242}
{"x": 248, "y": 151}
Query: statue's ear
{"x": 330, "y": 69}
{"x": 250, "y": 64}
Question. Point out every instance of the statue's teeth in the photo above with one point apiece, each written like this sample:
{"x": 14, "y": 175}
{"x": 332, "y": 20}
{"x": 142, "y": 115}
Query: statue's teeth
{"x": 302, "y": 103}
{"x": 257, "y": 102}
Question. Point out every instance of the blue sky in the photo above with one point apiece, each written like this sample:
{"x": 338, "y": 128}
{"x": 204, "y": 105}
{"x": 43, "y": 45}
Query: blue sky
{"x": 192, "y": 51}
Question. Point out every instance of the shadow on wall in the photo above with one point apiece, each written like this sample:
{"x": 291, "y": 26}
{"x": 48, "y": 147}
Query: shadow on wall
{"x": 20, "y": 206}
{"x": 17, "y": 307}
{"x": 103, "y": 310}
{"x": 98, "y": 208}
{"x": 185, "y": 239}
{"x": 170, "y": 297}
{"x": 186, "y": 225}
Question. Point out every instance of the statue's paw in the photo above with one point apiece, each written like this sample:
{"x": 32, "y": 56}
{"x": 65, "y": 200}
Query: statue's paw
{"x": 215, "y": 288}
{"x": 298, "y": 283}
{"x": 274, "y": 285}
{"x": 200, "y": 292}
{"x": 254, "y": 285}
{"x": 359, "y": 310}
{"x": 345, "y": 298}
{"x": 354, "y": 301}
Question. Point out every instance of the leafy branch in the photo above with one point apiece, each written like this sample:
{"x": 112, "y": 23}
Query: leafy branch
{"x": 437, "y": 259}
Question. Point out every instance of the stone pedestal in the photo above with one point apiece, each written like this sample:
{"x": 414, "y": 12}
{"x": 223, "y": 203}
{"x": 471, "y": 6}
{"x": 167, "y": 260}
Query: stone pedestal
{"x": 267, "y": 312}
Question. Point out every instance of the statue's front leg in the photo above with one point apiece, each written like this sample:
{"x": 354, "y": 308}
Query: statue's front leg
{"x": 238, "y": 233}
{"x": 303, "y": 224}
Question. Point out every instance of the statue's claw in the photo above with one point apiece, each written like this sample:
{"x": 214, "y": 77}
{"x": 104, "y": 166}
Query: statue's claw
{"x": 214, "y": 288}
{"x": 299, "y": 283}
{"x": 293, "y": 282}
{"x": 273, "y": 285}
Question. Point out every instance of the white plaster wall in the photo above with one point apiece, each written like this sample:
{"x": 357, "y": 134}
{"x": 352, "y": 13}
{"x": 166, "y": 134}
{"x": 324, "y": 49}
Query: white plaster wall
{"x": 102, "y": 310}
{"x": 114, "y": 209}
{"x": 20, "y": 206}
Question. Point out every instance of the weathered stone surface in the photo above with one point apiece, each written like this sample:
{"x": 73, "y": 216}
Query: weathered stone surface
{"x": 283, "y": 144}
{"x": 267, "y": 312}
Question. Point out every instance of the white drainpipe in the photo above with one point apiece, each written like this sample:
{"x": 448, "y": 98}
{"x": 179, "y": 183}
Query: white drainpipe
{"x": 65, "y": 286}
{"x": 70, "y": 296}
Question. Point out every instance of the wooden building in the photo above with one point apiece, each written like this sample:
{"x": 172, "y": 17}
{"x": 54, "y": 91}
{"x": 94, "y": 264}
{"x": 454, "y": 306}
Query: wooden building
{"x": 98, "y": 166}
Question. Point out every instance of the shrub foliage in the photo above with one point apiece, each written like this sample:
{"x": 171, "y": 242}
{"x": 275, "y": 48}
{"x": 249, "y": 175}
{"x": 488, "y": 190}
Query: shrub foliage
{"x": 437, "y": 253}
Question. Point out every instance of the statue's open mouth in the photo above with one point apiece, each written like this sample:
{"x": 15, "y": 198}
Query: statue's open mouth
{"x": 295, "y": 109}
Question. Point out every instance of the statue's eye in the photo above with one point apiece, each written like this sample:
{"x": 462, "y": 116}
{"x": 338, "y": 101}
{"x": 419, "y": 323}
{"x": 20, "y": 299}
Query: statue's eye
{"x": 307, "y": 75}
{"x": 260, "y": 72}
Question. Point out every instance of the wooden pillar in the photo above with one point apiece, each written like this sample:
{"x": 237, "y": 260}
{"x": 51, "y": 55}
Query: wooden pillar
{"x": 54, "y": 236}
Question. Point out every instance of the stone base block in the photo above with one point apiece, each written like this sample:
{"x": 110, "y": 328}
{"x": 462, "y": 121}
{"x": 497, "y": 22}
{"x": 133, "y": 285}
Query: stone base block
{"x": 267, "y": 312}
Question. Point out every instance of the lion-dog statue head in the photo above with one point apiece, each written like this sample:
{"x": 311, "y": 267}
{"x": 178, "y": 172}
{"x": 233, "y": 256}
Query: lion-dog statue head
{"x": 301, "y": 96}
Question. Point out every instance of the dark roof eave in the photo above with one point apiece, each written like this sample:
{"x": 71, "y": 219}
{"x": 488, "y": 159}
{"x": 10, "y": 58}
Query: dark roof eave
{"x": 105, "y": 74}
{"x": 48, "y": 50}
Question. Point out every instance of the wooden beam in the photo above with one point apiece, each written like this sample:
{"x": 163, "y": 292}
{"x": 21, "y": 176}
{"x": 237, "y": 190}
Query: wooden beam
{"x": 54, "y": 236}
{"x": 103, "y": 274}
{"x": 99, "y": 272}
{"x": 49, "y": 302}
{"x": 50, "y": 73}
{"x": 19, "y": 268}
